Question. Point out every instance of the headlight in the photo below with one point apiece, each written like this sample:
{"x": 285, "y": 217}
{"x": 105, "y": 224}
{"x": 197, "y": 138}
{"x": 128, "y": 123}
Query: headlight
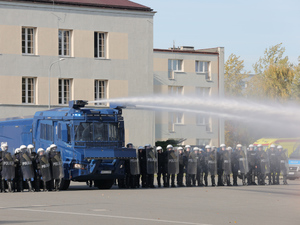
{"x": 79, "y": 166}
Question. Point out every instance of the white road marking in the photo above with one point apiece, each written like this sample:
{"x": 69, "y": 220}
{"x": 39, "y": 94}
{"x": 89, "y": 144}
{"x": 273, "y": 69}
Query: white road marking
{"x": 108, "y": 216}
{"x": 100, "y": 210}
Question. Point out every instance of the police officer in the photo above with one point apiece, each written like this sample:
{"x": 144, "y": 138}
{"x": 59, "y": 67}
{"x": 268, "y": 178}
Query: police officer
{"x": 274, "y": 165}
{"x": 235, "y": 164}
{"x": 1, "y": 190}
{"x": 33, "y": 156}
{"x": 227, "y": 165}
{"x": 185, "y": 157}
{"x": 252, "y": 162}
{"x": 211, "y": 163}
{"x": 128, "y": 176}
{"x": 191, "y": 169}
{"x": 18, "y": 181}
{"x": 56, "y": 166}
{"x": 43, "y": 168}
{"x": 150, "y": 171}
{"x": 8, "y": 168}
{"x": 181, "y": 168}
{"x": 243, "y": 163}
{"x": 143, "y": 166}
{"x": 283, "y": 160}
{"x": 169, "y": 151}
{"x": 26, "y": 167}
{"x": 161, "y": 165}
{"x": 220, "y": 164}
{"x": 200, "y": 167}
{"x": 261, "y": 155}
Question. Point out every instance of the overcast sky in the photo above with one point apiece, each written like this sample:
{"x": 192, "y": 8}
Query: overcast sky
{"x": 245, "y": 28}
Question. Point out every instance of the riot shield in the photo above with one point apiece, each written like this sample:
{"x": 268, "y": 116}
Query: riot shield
{"x": 243, "y": 162}
{"x": 212, "y": 162}
{"x": 134, "y": 165}
{"x": 264, "y": 163}
{"x": 57, "y": 165}
{"x": 26, "y": 165}
{"x": 173, "y": 162}
{"x": 45, "y": 168}
{"x": 152, "y": 164}
{"x": 8, "y": 166}
{"x": 284, "y": 162}
{"x": 226, "y": 162}
{"x": 192, "y": 163}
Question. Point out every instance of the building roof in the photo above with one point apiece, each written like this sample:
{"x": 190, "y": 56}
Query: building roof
{"x": 200, "y": 51}
{"x": 114, "y": 4}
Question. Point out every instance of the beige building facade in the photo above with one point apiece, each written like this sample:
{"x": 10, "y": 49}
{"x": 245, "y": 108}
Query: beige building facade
{"x": 80, "y": 50}
{"x": 53, "y": 53}
{"x": 197, "y": 73}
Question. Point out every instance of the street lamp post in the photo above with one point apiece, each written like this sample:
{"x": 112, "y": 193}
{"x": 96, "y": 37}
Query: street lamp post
{"x": 49, "y": 75}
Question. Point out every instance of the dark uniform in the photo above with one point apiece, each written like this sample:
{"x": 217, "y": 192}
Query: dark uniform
{"x": 161, "y": 165}
{"x": 261, "y": 156}
{"x": 252, "y": 161}
{"x": 181, "y": 169}
{"x": 235, "y": 166}
{"x": 18, "y": 181}
{"x": 220, "y": 165}
{"x": 274, "y": 166}
{"x": 200, "y": 168}
{"x": 143, "y": 166}
{"x": 1, "y": 189}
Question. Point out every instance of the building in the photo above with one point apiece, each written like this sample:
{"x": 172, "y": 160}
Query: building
{"x": 106, "y": 48}
{"x": 55, "y": 51}
{"x": 185, "y": 71}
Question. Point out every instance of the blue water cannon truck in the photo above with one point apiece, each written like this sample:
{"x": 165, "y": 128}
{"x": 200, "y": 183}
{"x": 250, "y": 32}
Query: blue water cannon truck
{"x": 91, "y": 141}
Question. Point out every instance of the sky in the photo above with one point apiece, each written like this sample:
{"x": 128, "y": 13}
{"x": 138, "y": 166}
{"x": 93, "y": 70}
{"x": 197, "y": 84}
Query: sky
{"x": 244, "y": 28}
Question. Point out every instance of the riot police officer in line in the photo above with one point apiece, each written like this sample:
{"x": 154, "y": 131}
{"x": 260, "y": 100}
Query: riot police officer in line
{"x": 151, "y": 158}
{"x": 43, "y": 169}
{"x": 33, "y": 156}
{"x": 252, "y": 162}
{"x": 262, "y": 165}
{"x": 143, "y": 166}
{"x": 212, "y": 163}
{"x": 227, "y": 168}
{"x": 220, "y": 162}
{"x": 161, "y": 165}
{"x": 200, "y": 167}
{"x": 56, "y": 166}
{"x": 274, "y": 165}
{"x": 26, "y": 167}
{"x": 172, "y": 165}
{"x": 181, "y": 168}
{"x": 283, "y": 163}
{"x": 1, "y": 190}
{"x": 8, "y": 168}
{"x": 191, "y": 166}
{"x": 133, "y": 170}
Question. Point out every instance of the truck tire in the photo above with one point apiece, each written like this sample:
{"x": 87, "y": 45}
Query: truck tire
{"x": 64, "y": 184}
{"x": 103, "y": 184}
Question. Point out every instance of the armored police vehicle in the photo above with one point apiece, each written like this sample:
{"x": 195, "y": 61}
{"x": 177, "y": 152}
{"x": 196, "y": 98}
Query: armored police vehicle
{"x": 91, "y": 141}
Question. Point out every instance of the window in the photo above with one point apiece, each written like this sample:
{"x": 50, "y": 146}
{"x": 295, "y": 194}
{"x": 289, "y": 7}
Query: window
{"x": 28, "y": 90}
{"x": 175, "y": 90}
{"x": 46, "y": 132}
{"x": 64, "y": 42}
{"x": 28, "y": 40}
{"x": 99, "y": 45}
{"x": 174, "y": 65}
{"x": 205, "y": 121}
{"x": 64, "y": 91}
{"x": 100, "y": 91}
{"x": 203, "y": 91}
{"x": 174, "y": 118}
{"x": 203, "y": 142}
{"x": 203, "y": 67}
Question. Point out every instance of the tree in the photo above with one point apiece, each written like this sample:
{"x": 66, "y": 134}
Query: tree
{"x": 296, "y": 82}
{"x": 274, "y": 76}
{"x": 234, "y": 76}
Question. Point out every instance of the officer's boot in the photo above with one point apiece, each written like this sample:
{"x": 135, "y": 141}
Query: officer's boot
{"x": 277, "y": 177}
{"x": 3, "y": 186}
{"x": 284, "y": 180}
{"x": 45, "y": 186}
{"x": 205, "y": 180}
{"x": 228, "y": 180}
{"x": 29, "y": 186}
{"x": 37, "y": 184}
{"x": 173, "y": 180}
{"x": 1, "y": 190}
{"x": 213, "y": 183}
{"x": 9, "y": 184}
{"x": 158, "y": 181}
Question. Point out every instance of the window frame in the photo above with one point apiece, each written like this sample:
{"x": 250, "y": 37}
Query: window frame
{"x": 61, "y": 43}
{"x": 202, "y": 71}
{"x": 33, "y": 41}
{"x": 178, "y": 90}
{"x": 63, "y": 98}
{"x": 27, "y": 90}
{"x": 203, "y": 143}
{"x": 96, "y": 45}
{"x": 96, "y": 92}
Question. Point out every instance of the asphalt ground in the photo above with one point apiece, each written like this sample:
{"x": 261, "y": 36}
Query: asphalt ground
{"x": 275, "y": 204}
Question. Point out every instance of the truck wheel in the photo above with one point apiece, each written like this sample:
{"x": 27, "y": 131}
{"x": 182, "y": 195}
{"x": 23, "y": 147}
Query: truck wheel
{"x": 64, "y": 184}
{"x": 103, "y": 184}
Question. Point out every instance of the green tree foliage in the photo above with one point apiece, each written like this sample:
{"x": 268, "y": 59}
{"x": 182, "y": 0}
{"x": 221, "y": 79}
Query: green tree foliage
{"x": 234, "y": 76}
{"x": 274, "y": 76}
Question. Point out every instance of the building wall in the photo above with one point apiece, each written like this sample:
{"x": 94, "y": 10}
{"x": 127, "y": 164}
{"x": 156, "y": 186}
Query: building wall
{"x": 128, "y": 66}
{"x": 189, "y": 79}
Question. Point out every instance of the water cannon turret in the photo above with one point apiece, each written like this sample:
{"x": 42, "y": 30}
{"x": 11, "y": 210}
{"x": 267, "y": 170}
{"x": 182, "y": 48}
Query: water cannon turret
{"x": 77, "y": 104}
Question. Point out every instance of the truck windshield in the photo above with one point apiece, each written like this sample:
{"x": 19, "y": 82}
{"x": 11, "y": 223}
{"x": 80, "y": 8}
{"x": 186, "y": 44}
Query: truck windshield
{"x": 90, "y": 131}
